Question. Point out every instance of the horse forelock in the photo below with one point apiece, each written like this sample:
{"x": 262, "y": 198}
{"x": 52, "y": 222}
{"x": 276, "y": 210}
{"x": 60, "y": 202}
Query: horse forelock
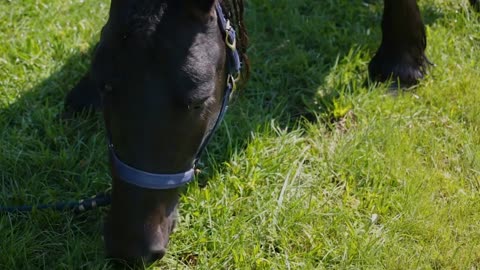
{"x": 145, "y": 15}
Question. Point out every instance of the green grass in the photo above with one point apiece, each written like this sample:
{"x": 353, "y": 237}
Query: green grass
{"x": 379, "y": 179}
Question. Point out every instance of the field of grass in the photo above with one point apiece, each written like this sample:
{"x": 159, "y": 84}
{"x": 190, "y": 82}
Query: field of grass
{"x": 312, "y": 168}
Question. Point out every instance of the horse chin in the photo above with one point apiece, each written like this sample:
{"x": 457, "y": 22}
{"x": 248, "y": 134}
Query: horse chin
{"x": 138, "y": 226}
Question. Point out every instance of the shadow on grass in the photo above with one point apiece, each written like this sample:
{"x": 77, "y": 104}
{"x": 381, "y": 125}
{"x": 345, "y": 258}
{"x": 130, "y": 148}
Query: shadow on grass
{"x": 40, "y": 141}
{"x": 294, "y": 48}
{"x": 304, "y": 55}
{"x": 47, "y": 160}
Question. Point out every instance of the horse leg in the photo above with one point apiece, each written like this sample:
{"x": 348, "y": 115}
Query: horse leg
{"x": 401, "y": 56}
{"x": 83, "y": 97}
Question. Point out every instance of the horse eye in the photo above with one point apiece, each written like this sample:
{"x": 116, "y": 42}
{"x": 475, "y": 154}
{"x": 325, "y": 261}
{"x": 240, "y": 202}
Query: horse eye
{"x": 197, "y": 104}
{"x": 197, "y": 107}
{"x": 105, "y": 89}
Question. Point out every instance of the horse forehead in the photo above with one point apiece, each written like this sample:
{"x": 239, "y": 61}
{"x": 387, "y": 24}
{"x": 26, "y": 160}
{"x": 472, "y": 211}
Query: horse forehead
{"x": 203, "y": 56}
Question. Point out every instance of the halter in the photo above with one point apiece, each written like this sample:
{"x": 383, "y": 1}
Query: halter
{"x": 170, "y": 181}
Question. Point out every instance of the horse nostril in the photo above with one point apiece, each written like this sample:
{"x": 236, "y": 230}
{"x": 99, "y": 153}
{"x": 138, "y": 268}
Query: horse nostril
{"x": 157, "y": 254}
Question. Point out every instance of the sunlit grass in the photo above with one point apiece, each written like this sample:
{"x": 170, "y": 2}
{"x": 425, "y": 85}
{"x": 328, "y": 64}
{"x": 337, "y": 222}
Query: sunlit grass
{"x": 376, "y": 179}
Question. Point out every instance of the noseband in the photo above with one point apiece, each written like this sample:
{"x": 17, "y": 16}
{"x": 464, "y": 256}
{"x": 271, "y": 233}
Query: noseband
{"x": 169, "y": 181}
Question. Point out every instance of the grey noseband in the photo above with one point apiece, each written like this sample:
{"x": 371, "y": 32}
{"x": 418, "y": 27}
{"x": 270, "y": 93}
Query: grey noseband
{"x": 149, "y": 180}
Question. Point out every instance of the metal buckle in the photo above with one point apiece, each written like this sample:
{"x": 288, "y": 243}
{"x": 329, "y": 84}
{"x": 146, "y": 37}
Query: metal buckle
{"x": 231, "y": 44}
{"x": 233, "y": 82}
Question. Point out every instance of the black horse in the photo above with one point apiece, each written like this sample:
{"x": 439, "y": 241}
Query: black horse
{"x": 162, "y": 73}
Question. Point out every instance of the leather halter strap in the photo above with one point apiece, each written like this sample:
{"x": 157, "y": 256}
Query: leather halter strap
{"x": 169, "y": 181}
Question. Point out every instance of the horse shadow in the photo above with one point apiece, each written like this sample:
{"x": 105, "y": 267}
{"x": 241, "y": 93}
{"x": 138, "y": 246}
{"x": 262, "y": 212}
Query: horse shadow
{"x": 37, "y": 115}
{"x": 46, "y": 159}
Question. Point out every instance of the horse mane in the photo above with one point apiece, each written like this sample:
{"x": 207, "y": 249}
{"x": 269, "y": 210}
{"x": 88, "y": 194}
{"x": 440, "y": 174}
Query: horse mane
{"x": 235, "y": 13}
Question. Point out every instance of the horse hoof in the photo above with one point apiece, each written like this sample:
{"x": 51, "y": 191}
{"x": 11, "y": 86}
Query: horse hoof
{"x": 403, "y": 71}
